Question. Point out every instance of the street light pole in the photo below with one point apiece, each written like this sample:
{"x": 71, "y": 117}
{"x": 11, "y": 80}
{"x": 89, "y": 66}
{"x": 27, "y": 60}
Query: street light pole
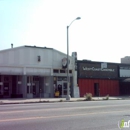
{"x": 68, "y": 78}
{"x": 68, "y": 93}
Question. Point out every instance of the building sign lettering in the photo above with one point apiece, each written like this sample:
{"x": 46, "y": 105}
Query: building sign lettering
{"x": 97, "y": 69}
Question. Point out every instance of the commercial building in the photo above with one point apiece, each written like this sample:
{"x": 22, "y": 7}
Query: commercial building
{"x": 98, "y": 78}
{"x": 103, "y": 79}
{"x": 31, "y": 72}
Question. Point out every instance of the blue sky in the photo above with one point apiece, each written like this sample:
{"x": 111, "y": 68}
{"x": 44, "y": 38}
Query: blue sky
{"x": 102, "y": 34}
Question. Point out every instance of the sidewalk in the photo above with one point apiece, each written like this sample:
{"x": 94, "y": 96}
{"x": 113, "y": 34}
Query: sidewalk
{"x": 51, "y": 100}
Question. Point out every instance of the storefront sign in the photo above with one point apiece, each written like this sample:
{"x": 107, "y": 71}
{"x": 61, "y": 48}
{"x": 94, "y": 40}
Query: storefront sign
{"x": 97, "y": 69}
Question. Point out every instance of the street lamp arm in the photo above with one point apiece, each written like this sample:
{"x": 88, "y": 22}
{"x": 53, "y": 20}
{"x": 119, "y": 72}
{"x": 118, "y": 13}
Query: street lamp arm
{"x": 73, "y": 21}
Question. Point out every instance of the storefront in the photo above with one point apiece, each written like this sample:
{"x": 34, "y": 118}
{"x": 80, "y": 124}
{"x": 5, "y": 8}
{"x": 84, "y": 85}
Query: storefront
{"x": 12, "y": 86}
{"x": 5, "y": 85}
{"x": 60, "y": 84}
{"x": 98, "y": 78}
{"x": 32, "y": 72}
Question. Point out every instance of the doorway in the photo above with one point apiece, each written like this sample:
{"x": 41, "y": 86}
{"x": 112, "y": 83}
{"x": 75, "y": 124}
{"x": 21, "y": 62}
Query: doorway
{"x": 96, "y": 89}
{"x": 36, "y": 90}
{"x": 64, "y": 88}
{"x": 6, "y": 86}
{"x": 124, "y": 88}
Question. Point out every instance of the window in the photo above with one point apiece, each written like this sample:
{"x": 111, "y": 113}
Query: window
{"x": 55, "y": 71}
{"x": 39, "y": 58}
{"x": 6, "y": 78}
{"x": 70, "y": 71}
{"x": 29, "y": 79}
{"x": 19, "y": 78}
{"x": 28, "y": 89}
{"x": 62, "y": 71}
{"x": 35, "y": 78}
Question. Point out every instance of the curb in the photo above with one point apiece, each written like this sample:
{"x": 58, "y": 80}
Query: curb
{"x": 60, "y": 101}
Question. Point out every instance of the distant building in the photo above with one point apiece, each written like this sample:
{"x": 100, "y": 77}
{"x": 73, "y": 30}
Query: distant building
{"x": 125, "y": 60}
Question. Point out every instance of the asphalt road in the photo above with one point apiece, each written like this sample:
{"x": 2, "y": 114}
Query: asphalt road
{"x": 89, "y": 115}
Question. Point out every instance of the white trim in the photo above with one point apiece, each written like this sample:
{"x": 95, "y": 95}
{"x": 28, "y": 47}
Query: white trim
{"x": 24, "y": 71}
{"x": 51, "y": 71}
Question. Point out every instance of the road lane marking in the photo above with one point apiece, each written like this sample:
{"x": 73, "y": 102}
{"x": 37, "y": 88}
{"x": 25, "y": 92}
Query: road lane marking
{"x": 62, "y": 109}
{"x": 7, "y": 112}
{"x": 58, "y": 116}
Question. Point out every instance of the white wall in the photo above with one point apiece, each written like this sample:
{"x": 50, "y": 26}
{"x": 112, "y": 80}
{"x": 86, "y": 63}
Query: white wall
{"x": 24, "y": 60}
{"x": 26, "y": 56}
{"x": 11, "y": 70}
{"x": 57, "y": 59}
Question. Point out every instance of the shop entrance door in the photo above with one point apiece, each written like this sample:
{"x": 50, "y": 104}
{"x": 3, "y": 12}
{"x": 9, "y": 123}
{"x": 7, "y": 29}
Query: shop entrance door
{"x": 96, "y": 89}
{"x": 64, "y": 88}
{"x": 36, "y": 92}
